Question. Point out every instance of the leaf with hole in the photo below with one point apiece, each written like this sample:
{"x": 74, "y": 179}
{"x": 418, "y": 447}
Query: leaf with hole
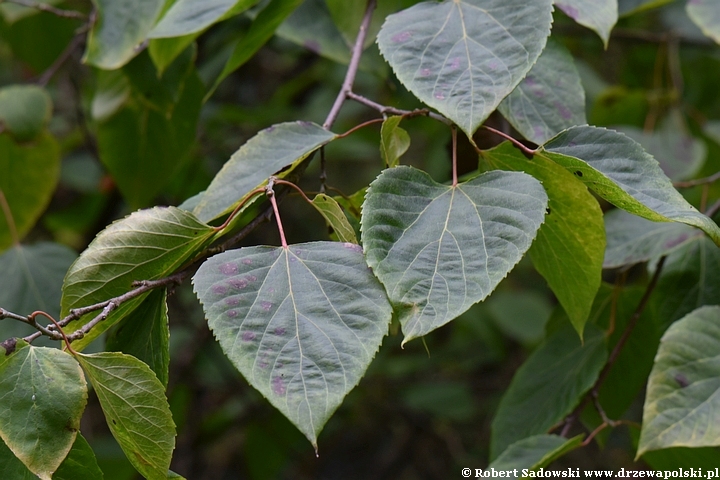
{"x": 335, "y": 217}
{"x": 300, "y": 323}
{"x": 598, "y": 15}
{"x": 439, "y": 249}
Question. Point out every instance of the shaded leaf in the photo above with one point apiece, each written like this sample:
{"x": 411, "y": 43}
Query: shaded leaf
{"x": 706, "y": 15}
{"x": 14, "y": 12}
{"x": 535, "y": 452}
{"x": 681, "y": 406}
{"x": 24, "y": 110}
{"x": 335, "y": 217}
{"x": 629, "y": 7}
{"x": 136, "y": 410}
{"x": 11, "y": 466}
{"x": 163, "y": 51}
{"x": 463, "y": 57}
{"x": 394, "y": 141}
{"x": 520, "y": 317}
{"x": 300, "y": 323}
{"x": 111, "y": 93}
{"x": 439, "y": 249}
{"x": 598, "y": 15}
{"x": 43, "y": 396}
{"x": 80, "y": 464}
{"x": 620, "y": 171}
{"x": 192, "y": 16}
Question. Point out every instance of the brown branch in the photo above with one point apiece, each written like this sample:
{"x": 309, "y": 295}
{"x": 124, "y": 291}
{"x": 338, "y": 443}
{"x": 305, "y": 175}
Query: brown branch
{"x": 44, "y": 7}
{"x": 700, "y": 181}
{"x": 384, "y": 109}
{"x": 515, "y": 141}
{"x": 50, "y": 72}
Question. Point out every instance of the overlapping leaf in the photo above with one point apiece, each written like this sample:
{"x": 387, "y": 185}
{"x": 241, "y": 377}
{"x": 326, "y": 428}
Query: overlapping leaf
{"x": 706, "y": 15}
{"x": 628, "y": 7}
{"x": 80, "y": 464}
{"x": 300, "y": 323}
{"x": 335, "y": 218}
{"x": 619, "y": 170}
{"x": 192, "y": 16}
{"x": 598, "y": 15}
{"x": 535, "y": 452}
{"x": 463, "y": 57}
{"x": 24, "y": 110}
{"x": 394, "y": 141}
{"x": 439, "y": 249}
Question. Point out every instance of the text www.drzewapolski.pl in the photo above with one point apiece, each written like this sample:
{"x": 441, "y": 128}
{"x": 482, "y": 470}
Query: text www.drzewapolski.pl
{"x": 707, "y": 474}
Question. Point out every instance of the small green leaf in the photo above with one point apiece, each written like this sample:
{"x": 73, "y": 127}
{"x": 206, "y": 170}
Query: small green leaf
{"x": 80, "y": 464}
{"x": 598, "y": 15}
{"x": 534, "y": 452}
{"x": 266, "y": 153}
{"x": 193, "y": 16}
{"x": 681, "y": 406}
{"x": 629, "y": 7}
{"x": 394, "y": 141}
{"x": 24, "y": 110}
{"x": 463, "y": 57}
{"x": 335, "y": 217}
{"x": 439, "y": 249}
{"x": 548, "y": 386}
{"x": 121, "y": 26}
{"x": 43, "y": 394}
{"x": 137, "y": 412}
{"x": 300, "y": 323}
{"x": 620, "y": 171}
{"x": 549, "y": 99}
{"x": 145, "y": 334}
{"x": 706, "y": 15}
{"x": 146, "y": 245}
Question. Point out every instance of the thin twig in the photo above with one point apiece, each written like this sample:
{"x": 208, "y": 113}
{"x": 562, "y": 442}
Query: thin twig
{"x": 50, "y": 72}
{"x": 384, "y": 109}
{"x": 362, "y": 125}
{"x": 713, "y": 209}
{"x": 516, "y": 142}
{"x": 44, "y": 7}
{"x": 271, "y": 195}
{"x": 700, "y": 181}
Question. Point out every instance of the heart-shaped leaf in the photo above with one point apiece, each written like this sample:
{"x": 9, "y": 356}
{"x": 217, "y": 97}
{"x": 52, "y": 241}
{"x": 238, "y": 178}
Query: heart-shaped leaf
{"x": 463, "y": 57}
{"x": 439, "y": 249}
{"x": 598, "y": 15}
{"x": 300, "y": 323}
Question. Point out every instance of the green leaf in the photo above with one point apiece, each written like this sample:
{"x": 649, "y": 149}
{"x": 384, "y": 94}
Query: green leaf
{"x": 534, "y": 452}
{"x": 570, "y": 245}
{"x": 80, "y": 464}
{"x": 120, "y": 28}
{"x": 163, "y": 51}
{"x": 111, "y": 93}
{"x": 631, "y": 239}
{"x": 347, "y": 15}
{"x": 598, "y": 15}
{"x": 145, "y": 334}
{"x": 24, "y": 110}
{"x": 549, "y": 99}
{"x": 681, "y": 406}
{"x": 193, "y": 16}
{"x": 137, "y": 412}
{"x": 335, "y": 217}
{"x": 300, "y": 323}
{"x": 706, "y": 15}
{"x": 548, "y": 386}
{"x": 11, "y": 466}
{"x": 463, "y": 57}
{"x": 35, "y": 163}
{"x": 146, "y": 245}
{"x": 43, "y": 395}
{"x": 620, "y": 171}
{"x": 266, "y": 153}
{"x": 520, "y": 317}
{"x": 15, "y": 12}
{"x": 629, "y": 7}
{"x": 439, "y": 249}
{"x": 394, "y": 141}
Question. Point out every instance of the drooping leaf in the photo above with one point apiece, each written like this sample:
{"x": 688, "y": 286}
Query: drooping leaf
{"x": 137, "y": 412}
{"x": 439, "y": 249}
{"x": 632, "y": 239}
{"x": 394, "y": 141}
{"x": 463, "y": 57}
{"x": 146, "y": 245}
{"x": 80, "y": 464}
{"x": 24, "y": 110}
{"x": 335, "y": 217}
{"x": 629, "y": 7}
{"x": 43, "y": 395}
{"x": 535, "y": 452}
{"x": 570, "y": 245}
{"x": 145, "y": 334}
{"x": 620, "y": 171}
{"x": 34, "y": 163}
{"x": 598, "y": 15}
{"x": 549, "y": 99}
{"x": 263, "y": 155}
{"x": 681, "y": 406}
{"x": 300, "y": 323}
{"x": 548, "y": 386}
{"x": 192, "y": 16}
{"x": 706, "y": 15}
{"x": 121, "y": 26}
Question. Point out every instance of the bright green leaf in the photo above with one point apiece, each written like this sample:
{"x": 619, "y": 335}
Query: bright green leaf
{"x": 598, "y": 15}
{"x": 300, "y": 323}
{"x": 192, "y": 16}
{"x": 394, "y": 141}
{"x": 43, "y": 394}
{"x": 535, "y": 452}
{"x": 80, "y": 464}
{"x": 682, "y": 403}
{"x": 548, "y": 386}
{"x": 620, "y": 171}
{"x": 24, "y": 110}
{"x": 266, "y": 153}
{"x": 463, "y": 57}
{"x": 549, "y": 99}
{"x": 439, "y": 249}
{"x": 137, "y": 412}
{"x": 706, "y": 15}
{"x": 335, "y": 217}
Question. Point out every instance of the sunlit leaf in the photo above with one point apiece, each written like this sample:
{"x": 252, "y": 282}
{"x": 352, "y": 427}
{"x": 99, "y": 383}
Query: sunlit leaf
{"x": 192, "y": 16}
{"x": 598, "y": 15}
{"x": 706, "y": 14}
{"x": 24, "y": 110}
{"x": 394, "y": 141}
{"x": 335, "y": 217}
{"x": 534, "y": 452}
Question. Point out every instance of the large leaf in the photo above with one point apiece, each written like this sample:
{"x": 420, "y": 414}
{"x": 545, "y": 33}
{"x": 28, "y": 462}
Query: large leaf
{"x": 36, "y": 163}
{"x": 266, "y": 153}
{"x": 147, "y": 245}
{"x": 548, "y": 386}
{"x": 24, "y": 110}
{"x": 192, "y": 16}
{"x": 300, "y": 323}
{"x": 121, "y": 26}
{"x": 706, "y": 15}
{"x": 570, "y": 245}
{"x": 682, "y": 406}
{"x": 463, "y": 57}
{"x": 534, "y": 452}
{"x": 43, "y": 395}
{"x": 549, "y": 99}
{"x": 619, "y": 170}
{"x": 631, "y": 239}
{"x": 439, "y": 249}
{"x": 598, "y": 15}
{"x": 137, "y": 412}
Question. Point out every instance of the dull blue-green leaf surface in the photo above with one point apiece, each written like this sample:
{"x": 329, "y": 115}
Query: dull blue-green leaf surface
{"x": 706, "y": 15}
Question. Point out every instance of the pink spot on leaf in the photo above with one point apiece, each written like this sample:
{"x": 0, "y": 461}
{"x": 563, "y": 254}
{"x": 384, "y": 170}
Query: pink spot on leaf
{"x": 251, "y": 278}
{"x": 425, "y": 72}
{"x": 401, "y": 37}
{"x": 219, "y": 289}
{"x": 278, "y": 386}
{"x": 571, "y": 11}
{"x": 266, "y": 306}
{"x": 247, "y": 261}
{"x": 563, "y": 111}
{"x": 231, "y": 301}
{"x": 238, "y": 283}
{"x": 454, "y": 63}
{"x": 232, "y": 313}
{"x": 353, "y": 247}
{"x": 279, "y": 331}
{"x": 248, "y": 336}
{"x": 228, "y": 269}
